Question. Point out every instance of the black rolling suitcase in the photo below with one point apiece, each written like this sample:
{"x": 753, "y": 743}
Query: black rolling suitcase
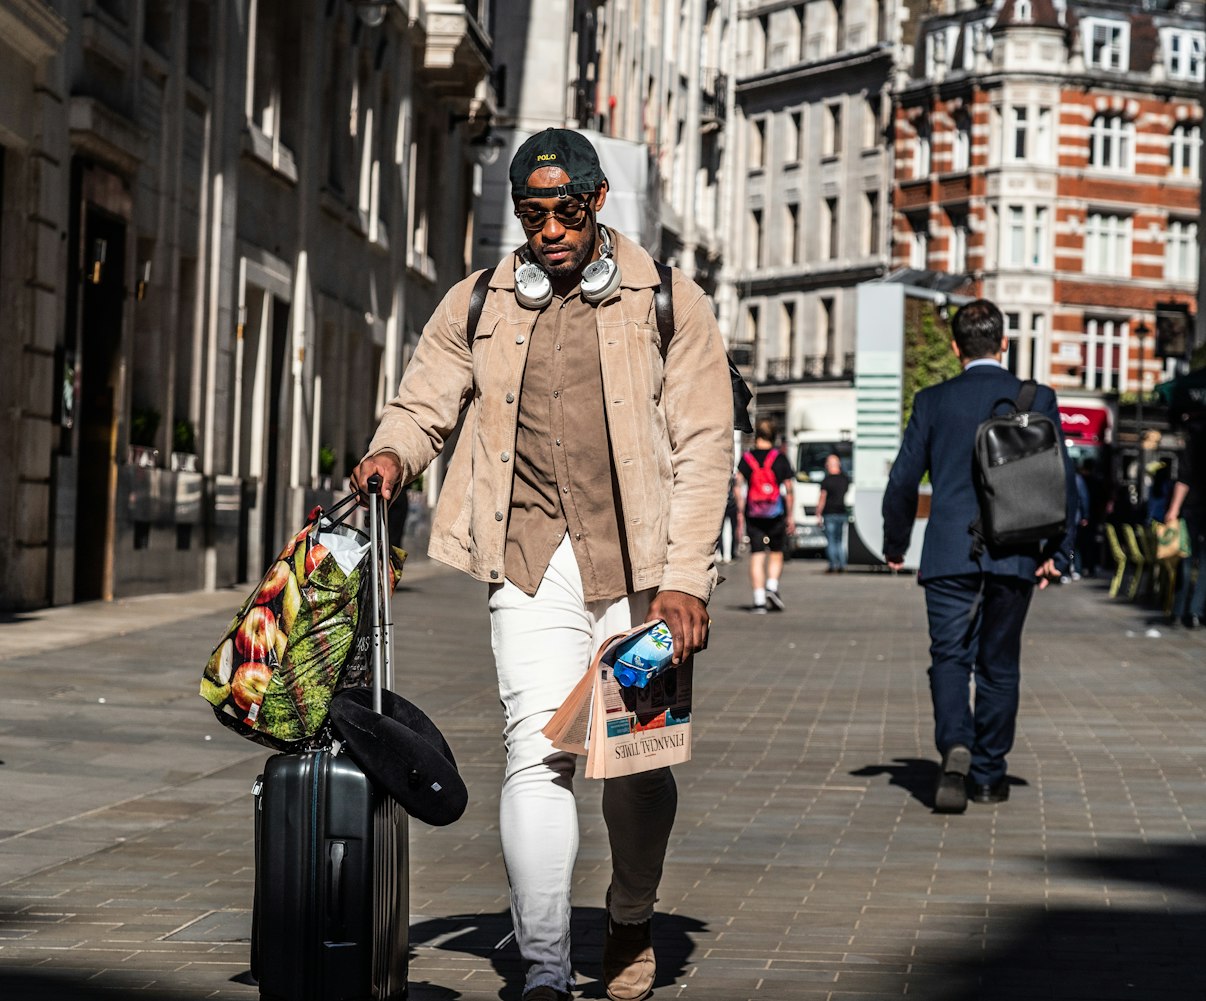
{"x": 331, "y": 912}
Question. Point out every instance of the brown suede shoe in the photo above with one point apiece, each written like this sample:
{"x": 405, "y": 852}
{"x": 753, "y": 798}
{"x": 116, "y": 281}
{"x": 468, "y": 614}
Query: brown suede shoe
{"x": 628, "y": 963}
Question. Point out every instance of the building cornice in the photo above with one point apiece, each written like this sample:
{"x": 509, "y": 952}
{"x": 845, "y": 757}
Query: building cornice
{"x": 960, "y": 83}
{"x": 32, "y": 29}
{"x": 807, "y": 71}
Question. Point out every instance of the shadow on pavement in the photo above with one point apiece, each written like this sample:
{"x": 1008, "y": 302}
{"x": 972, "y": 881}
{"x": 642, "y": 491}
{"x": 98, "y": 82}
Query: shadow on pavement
{"x": 916, "y": 776}
{"x": 487, "y": 936}
{"x": 49, "y": 985}
{"x": 1103, "y": 954}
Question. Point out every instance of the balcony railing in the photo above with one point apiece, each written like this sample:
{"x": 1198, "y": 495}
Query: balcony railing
{"x": 715, "y": 88}
{"x": 812, "y": 367}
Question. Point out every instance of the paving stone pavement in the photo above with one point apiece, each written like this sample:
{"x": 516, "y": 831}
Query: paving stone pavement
{"x": 806, "y": 862}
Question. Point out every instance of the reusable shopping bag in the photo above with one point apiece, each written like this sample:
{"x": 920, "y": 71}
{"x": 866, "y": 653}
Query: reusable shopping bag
{"x": 303, "y": 634}
{"x": 1171, "y": 542}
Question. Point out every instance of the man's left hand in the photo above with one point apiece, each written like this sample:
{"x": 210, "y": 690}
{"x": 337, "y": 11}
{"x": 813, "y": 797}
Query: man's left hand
{"x": 1045, "y": 572}
{"x": 687, "y": 619}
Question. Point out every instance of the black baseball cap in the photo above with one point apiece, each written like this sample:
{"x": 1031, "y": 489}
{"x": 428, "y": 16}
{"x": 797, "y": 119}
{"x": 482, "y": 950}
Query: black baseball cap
{"x": 571, "y": 151}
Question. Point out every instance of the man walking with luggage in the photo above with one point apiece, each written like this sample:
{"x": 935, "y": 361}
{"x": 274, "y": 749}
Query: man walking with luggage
{"x": 976, "y": 604}
{"x": 586, "y": 490}
{"x": 764, "y": 483}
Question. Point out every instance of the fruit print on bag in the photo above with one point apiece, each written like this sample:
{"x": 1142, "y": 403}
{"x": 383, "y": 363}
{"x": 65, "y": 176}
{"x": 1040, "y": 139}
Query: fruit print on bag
{"x": 293, "y": 645}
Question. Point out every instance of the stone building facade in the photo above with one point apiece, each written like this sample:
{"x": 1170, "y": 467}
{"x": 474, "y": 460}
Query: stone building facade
{"x": 646, "y": 81}
{"x": 223, "y": 226}
{"x": 810, "y": 206}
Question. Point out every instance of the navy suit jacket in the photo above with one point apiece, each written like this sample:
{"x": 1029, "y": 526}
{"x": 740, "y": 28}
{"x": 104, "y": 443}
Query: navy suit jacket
{"x": 940, "y": 438}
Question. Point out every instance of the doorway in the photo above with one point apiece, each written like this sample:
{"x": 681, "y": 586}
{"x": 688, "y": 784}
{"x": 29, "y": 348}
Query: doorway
{"x": 103, "y": 259}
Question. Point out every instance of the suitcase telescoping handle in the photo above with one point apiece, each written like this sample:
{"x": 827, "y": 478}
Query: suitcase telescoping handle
{"x": 383, "y": 622}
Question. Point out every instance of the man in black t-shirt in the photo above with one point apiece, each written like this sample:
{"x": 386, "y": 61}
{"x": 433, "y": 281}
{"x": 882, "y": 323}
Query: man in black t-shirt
{"x": 831, "y": 513}
{"x": 764, "y": 483}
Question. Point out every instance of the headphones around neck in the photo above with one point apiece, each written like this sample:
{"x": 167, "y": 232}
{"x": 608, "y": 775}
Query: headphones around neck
{"x": 600, "y": 279}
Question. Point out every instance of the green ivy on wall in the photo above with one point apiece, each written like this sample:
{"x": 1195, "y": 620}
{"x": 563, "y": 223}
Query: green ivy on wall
{"x": 928, "y": 358}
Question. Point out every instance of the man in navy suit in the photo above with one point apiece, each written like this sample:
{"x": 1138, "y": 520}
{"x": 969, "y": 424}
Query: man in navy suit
{"x": 976, "y": 605}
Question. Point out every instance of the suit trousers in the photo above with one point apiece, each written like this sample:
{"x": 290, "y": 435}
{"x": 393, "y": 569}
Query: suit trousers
{"x": 542, "y": 646}
{"x": 985, "y": 642}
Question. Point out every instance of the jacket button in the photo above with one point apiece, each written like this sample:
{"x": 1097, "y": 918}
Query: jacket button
{"x": 510, "y": 397}
{"x": 506, "y": 457}
{"x": 556, "y": 394}
{"x": 519, "y": 339}
{"x": 494, "y": 575}
{"x": 498, "y": 516}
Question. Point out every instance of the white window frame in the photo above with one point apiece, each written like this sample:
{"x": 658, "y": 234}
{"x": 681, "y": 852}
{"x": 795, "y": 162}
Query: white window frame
{"x": 1043, "y": 133}
{"x": 919, "y": 243}
{"x": 957, "y": 258}
{"x": 1115, "y": 45}
{"x": 873, "y": 209}
{"x": 922, "y": 149}
{"x": 1185, "y": 150}
{"x": 795, "y": 136}
{"x": 1109, "y": 334}
{"x": 1018, "y": 129}
{"x": 757, "y": 143}
{"x": 1023, "y": 12}
{"x": 1013, "y": 340}
{"x": 1112, "y": 137}
{"x": 1038, "y": 230}
{"x": 1107, "y": 244}
{"x": 1184, "y": 54}
{"x": 961, "y": 143}
{"x": 1181, "y": 250}
{"x": 1013, "y": 230}
{"x": 791, "y": 235}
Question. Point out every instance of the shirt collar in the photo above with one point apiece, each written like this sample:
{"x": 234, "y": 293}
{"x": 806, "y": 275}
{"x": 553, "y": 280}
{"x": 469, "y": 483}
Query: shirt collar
{"x": 983, "y": 361}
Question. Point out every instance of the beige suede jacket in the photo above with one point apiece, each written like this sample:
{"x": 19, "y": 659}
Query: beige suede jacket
{"x": 670, "y": 425}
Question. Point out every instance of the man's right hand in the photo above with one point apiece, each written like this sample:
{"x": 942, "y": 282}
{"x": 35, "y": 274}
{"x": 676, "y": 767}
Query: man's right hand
{"x": 383, "y": 464}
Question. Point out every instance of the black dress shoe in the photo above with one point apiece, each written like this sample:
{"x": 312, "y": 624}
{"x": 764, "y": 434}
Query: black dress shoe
{"x": 950, "y": 795}
{"x": 990, "y": 792}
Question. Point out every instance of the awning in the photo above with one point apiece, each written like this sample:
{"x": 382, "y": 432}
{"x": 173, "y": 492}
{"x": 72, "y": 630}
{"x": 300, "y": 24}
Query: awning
{"x": 1186, "y": 394}
{"x": 1084, "y": 425}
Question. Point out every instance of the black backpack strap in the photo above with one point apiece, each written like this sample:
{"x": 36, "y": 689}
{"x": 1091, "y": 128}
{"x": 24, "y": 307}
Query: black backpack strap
{"x": 477, "y": 300}
{"x": 663, "y": 308}
{"x": 663, "y": 304}
{"x": 1026, "y": 396}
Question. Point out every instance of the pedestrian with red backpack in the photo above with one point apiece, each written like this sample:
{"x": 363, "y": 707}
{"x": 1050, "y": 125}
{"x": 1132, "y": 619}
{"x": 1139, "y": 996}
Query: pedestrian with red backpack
{"x": 764, "y": 477}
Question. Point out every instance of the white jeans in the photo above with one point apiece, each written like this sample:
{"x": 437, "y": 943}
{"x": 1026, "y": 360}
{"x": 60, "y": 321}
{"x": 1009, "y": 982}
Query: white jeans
{"x": 542, "y": 646}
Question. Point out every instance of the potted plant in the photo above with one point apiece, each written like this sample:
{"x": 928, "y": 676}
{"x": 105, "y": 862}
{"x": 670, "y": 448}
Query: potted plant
{"x": 144, "y": 425}
{"x": 326, "y": 465}
{"x": 184, "y": 446}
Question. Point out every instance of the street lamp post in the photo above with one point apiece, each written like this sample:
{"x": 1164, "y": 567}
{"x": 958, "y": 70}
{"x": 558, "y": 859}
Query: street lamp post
{"x": 1141, "y": 331}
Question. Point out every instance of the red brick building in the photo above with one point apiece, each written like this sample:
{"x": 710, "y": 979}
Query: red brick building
{"x": 1053, "y": 152}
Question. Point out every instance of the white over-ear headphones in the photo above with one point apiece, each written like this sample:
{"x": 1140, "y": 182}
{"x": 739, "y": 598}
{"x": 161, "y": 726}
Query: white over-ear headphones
{"x": 533, "y": 290}
{"x": 600, "y": 279}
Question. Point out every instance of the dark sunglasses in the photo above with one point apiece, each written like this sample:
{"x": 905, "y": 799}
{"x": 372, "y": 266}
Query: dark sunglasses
{"x": 570, "y": 212}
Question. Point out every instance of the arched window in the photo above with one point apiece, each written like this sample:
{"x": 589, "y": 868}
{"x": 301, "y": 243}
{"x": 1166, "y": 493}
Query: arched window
{"x": 1185, "y": 150}
{"x": 1111, "y": 143}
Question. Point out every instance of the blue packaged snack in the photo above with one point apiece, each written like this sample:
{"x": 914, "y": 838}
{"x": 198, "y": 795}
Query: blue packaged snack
{"x": 643, "y": 657}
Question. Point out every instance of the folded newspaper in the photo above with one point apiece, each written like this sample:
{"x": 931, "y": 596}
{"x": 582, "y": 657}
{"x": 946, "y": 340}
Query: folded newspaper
{"x": 620, "y": 730}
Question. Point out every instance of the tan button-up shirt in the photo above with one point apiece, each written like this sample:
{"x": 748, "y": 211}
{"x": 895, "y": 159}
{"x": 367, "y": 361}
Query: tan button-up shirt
{"x": 563, "y": 468}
